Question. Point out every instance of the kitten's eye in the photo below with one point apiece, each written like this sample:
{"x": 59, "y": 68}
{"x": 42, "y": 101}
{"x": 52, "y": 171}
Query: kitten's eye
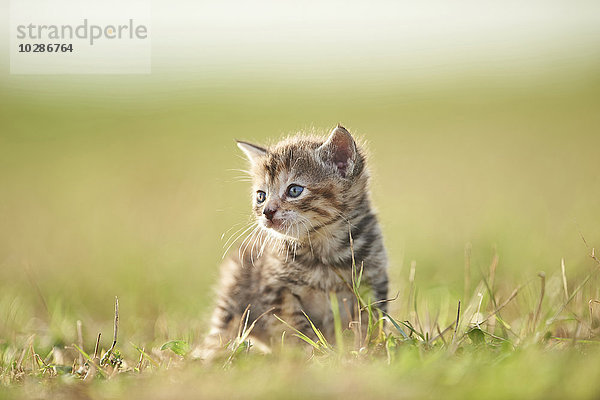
{"x": 295, "y": 190}
{"x": 260, "y": 196}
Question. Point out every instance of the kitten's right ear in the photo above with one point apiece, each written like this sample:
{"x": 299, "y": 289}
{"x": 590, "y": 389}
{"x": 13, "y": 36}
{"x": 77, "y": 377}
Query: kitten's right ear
{"x": 340, "y": 150}
{"x": 253, "y": 152}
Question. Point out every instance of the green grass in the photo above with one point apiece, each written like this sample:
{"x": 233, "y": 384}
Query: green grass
{"x": 482, "y": 189}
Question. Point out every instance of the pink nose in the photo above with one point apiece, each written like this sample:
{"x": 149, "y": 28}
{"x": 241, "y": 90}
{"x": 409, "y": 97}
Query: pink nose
{"x": 269, "y": 212}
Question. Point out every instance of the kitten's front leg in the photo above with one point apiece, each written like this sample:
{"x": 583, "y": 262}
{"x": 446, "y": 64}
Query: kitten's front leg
{"x": 376, "y": 278}
{"x": 379, "y": 286}
{"x": 287, "y": 306}
{"x": 221, "y": 333}
{"x": 226, "y": 316}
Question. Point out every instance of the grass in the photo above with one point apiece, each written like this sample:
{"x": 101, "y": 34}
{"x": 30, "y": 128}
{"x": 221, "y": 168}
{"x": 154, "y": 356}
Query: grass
{"x": 485, "y": 192}
{"x": 542, "y": 352}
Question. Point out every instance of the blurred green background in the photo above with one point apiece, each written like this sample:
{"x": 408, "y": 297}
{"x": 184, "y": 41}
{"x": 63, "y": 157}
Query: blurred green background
{"x": 106, "y": 196}
{"x": 124, "y": 185}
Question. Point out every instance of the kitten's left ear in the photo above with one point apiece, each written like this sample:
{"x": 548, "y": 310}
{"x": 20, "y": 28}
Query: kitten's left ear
{"x": 253, "y": 152}
{"x": 340, "y": 149}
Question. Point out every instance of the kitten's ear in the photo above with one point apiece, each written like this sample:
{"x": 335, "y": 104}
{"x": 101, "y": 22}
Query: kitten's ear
{"x": 252, "y": 151}
{"x": 340, "y": 150}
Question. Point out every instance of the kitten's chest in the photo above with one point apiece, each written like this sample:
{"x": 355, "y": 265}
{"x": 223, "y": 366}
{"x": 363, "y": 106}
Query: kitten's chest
{"x": 315, "y": 300}
{"x": 312, "y": 284}
{"x": 319, "y": 277}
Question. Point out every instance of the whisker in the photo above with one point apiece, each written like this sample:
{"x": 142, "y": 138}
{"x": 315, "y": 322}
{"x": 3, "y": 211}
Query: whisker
{"x": 244, "y": 228}
{"x": 241, "y": 179}
{"x": 321, "y": 228}
{"x": 236, "y": 239}
{"x": 308, "y": 233}
{"x": 239, "y": 170}
{"x": 305, "y": 219}
{"x": 242, "y": 249}
{"x": 345, "y": 218}
{"x": 253, "y": 246}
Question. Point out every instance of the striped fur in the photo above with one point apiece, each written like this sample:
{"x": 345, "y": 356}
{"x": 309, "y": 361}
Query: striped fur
{"x": 292, "y": 264}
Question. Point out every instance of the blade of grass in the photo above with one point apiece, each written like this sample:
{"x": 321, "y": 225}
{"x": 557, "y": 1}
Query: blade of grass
{"x": 146, "y": 355}
{"x": 337, "y": 321}
{"x": 299, "y": 334}
{"x": 87, "y": 357}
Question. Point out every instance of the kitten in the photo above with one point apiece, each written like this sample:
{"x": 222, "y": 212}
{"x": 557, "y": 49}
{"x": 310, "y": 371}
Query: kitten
{"x": 309, "y": 195}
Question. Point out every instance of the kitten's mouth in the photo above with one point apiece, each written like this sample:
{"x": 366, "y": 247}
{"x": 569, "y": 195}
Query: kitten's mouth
{"x": 276, "y": 224}
{"x": 279, "y": 228}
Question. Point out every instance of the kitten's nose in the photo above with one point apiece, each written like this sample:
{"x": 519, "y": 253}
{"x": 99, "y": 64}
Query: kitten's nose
{"x": 270, "y": 211}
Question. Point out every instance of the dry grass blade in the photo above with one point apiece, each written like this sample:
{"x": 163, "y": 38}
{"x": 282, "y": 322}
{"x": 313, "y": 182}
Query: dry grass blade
{"x": 456, "y": 323}
{"x": 33, "y": 359}
{"x": 108, "y": 353}
{"x": 95, "y": 359}
{"x": 89, "y": 359}
{"x": 381, "y": 301}
{"x": 80, "y": 340}
{"x": 97, "y": 347}
{"x": 19, "y": 364}
{"x": 138, "y": 366}
{"x": 42, "y": 363}
{"x": 591, "y": 309}
{"x": 244, "y": 321}
{"x": 593, "y": 255}
{"x": 574, "y": 293}
{"x": 245, "y": 333}
{"x": 564, "y": 278}
{"x": 489, "y": 286}
{"x": 501, "y": 306}
{"x": 411, "y": 282}
{"x": 591, "y": 249}
{"x": 145, "y": 355}
{"x": 441, "y": 334}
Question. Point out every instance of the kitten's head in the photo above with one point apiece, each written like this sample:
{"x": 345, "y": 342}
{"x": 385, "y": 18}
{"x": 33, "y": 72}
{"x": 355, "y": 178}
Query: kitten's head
{"x": 303, "y": 184}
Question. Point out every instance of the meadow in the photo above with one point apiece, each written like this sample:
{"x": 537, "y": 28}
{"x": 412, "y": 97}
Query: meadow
{"x": 488, "y": 190}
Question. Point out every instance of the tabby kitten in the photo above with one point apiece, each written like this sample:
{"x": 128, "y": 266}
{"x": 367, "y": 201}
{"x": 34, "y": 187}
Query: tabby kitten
{"x": 309, "y": 197}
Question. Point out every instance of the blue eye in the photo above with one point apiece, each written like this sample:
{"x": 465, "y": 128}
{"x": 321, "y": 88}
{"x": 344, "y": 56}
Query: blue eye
{"x": 260, "y": 196}
{"x": 295, "y": 190}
